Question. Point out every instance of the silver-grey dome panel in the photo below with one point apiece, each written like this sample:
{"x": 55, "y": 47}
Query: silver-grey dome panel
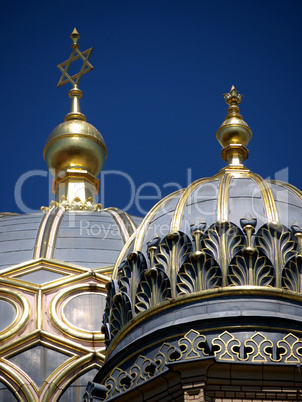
{"x": 17, "y": 238}
{"x": 90, "y": 239}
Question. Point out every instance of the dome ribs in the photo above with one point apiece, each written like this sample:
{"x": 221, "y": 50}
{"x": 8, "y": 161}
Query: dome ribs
{"x": 48, "y": 232}
{"x": 223, "y": 197}
{"x": 267, "y": 196}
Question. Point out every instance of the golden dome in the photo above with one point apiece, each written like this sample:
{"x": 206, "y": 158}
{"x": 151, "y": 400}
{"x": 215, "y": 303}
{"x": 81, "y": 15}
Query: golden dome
{"x": 75, "y": 144}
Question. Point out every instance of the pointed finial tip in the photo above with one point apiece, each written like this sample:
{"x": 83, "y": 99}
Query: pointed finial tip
{"x": 233, "y": 98}
{"x": 75, "y": 36}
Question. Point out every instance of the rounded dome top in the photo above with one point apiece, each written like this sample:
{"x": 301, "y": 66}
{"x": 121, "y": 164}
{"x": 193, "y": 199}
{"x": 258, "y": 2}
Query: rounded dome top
{"x": 75, "y": 143}
{"x": 76, "y": 126}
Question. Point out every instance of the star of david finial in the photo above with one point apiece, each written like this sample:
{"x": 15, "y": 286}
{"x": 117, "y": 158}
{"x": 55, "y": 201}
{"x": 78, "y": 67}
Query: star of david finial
{"x": 75, "y": 55}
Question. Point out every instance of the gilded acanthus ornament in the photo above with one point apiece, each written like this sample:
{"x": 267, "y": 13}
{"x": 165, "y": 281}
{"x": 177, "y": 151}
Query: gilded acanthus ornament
{"x": 219, "y": 256}
{"x": 75, "y": 205}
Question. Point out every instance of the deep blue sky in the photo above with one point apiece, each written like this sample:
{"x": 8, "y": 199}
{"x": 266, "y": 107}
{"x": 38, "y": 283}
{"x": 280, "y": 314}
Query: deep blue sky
{"x": 161, "y": 67}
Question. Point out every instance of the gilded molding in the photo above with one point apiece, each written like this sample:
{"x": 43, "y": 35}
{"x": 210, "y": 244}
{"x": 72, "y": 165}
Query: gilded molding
{"x": 223, "y": 198}
{"x": 123, "y": 221}
{"x": 59, "y": 320}
{"x": 38, "y": 243}
{"x": 22, "y": 307}
{"x": 292, "y": 188}
{"x": 267, "y": 196}
{"x": 76, "y": 136}
{"x": 142, "y": 228}
{"x": 123, "y": 253}
{"x": 15, "y": 382}
{"x": 64, "y": 378}
{"x": 178, "y": 213}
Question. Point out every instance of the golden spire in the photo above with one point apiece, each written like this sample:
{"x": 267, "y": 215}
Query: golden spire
{"x": 234, "y": 134}
{"x": 75, "y": 150}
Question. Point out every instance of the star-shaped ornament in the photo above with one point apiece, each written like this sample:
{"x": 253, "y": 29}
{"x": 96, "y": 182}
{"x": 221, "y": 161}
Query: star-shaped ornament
{"x": 75, "y": 55}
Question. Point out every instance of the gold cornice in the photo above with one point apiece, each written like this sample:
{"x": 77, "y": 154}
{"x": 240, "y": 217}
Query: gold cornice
{"x": 76, "y": 173}
{"x": 202, "y": 295}
{"x": 19, "y": 285}
{"x": 36, "y": 263}
{"x": 60, "y": 283}
{"x": 233, "y": 171}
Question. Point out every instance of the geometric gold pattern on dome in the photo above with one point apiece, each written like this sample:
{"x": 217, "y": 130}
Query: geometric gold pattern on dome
{"x": 37, "y": 361}
{"x": 75, "y": 55}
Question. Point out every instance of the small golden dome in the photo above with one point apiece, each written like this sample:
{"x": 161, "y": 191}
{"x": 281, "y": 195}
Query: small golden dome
{"x": 75, "y": 144}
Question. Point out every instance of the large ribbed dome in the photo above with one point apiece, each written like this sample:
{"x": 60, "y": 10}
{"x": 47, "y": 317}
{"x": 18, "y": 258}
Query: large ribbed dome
{"x": 212, "y": 275}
